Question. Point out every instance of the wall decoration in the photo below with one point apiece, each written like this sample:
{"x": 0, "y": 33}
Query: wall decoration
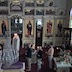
{"x": 29, "y": 11}
{"x": 3, "y": 29}
{"x": 29, "y": 3}
{"x": 59, "y": 27}
{"x": 67, "y": 36}
{"x": 3, "y": 2}
{"x": 3, "y": 12}
{"x": 40, "y": 2}
{"x": 16, "y": 24}
{"x": 39, "y": 12}
{"x": 29, "y": 28}
{"x": 61, "y": 12}
{"x": 16, "y": 6}
{"x": 49, "y": 28}
{"x": 50, "y": 12}
{"x": 50, "y": 3}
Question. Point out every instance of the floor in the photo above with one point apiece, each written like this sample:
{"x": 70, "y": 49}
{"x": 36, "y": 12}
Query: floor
{"x": 34, "y": 67}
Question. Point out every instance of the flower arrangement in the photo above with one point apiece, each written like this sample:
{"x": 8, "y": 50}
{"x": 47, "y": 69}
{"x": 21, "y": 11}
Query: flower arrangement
{"x": 66, "y": 55}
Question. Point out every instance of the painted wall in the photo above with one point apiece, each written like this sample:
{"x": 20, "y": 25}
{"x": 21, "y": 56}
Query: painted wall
{"x": 60, "y": 3}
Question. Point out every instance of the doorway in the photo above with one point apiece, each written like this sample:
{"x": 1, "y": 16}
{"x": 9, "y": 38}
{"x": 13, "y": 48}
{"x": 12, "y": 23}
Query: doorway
{"x": 39, "y": 32}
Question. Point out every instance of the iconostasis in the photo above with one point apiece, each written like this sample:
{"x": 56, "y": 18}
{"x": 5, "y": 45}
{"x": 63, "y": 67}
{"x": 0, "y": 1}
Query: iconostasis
{"x": 30, "y": 11}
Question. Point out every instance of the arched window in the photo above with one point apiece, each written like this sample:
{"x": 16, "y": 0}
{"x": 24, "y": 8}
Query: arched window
{"x": 70, "y": 25}
{"x": 70, "y": 22}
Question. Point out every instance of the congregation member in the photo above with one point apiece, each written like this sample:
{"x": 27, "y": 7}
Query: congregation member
{"x": 39, "y": 57}
{"x": 34, "y": 55}
{"x": 50, "y": 54}
{"x": 39, "y": 52}
{"x": 61, "y": 52}
{"x": 51, "y": 63}
{"x": 29, "y": 54}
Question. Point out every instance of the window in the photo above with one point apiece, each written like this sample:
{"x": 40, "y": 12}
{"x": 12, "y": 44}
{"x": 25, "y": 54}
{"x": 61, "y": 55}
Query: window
{"x": 70, "y": 25}
{"x": 18, "y": 21}
{"x": 16, "y": 24}
{"x": 39, "y": 22}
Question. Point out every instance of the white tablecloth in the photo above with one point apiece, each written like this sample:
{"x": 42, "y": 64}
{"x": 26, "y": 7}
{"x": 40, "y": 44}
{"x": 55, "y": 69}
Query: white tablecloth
{"x": 63, "y": 67}
{"x": 63, "y": 64}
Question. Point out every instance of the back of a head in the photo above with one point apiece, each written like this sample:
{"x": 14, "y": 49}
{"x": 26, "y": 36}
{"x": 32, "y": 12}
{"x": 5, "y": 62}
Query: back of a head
{"x": 3, "y": 21}
{"x": 48, "y": 46}
{"x": 51, "y": 45}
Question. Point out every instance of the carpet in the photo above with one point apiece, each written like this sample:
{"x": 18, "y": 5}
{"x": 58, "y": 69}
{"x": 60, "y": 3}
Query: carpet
{"x": 17, "y": 65}
{"x": 13, "y": 70}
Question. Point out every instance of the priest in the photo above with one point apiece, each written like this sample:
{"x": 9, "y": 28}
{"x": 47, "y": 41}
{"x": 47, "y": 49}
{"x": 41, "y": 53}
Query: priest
{"x": 16, "y": 46}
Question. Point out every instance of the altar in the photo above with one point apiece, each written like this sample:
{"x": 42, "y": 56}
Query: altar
{"x": 63, "y": 66}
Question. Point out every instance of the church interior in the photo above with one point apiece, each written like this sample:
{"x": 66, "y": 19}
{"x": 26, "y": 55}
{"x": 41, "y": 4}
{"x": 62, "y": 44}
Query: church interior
{"x": 35, "y": 35}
